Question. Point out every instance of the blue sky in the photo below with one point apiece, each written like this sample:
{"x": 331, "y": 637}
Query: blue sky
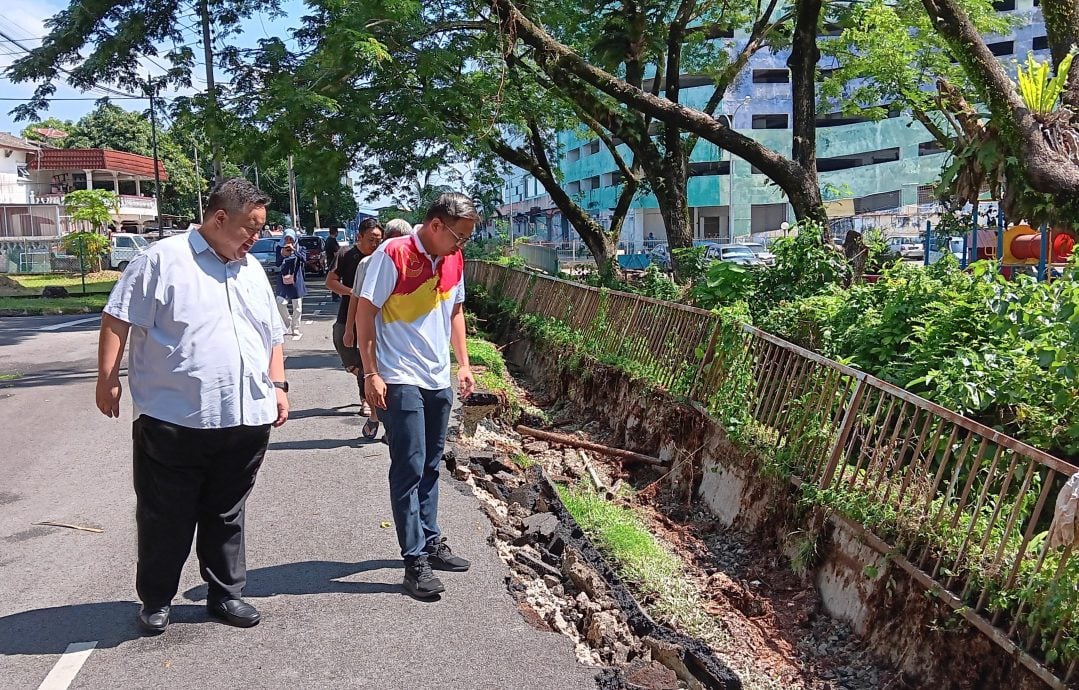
{"x": 24, "y": 19}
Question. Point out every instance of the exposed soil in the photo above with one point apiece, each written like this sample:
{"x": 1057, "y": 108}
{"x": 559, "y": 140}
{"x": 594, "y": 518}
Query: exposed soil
{"x": 777, "y": 636}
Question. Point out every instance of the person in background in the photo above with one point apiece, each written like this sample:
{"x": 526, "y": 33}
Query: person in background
{"x": 409, "y": 312}
{"x": 332, "y": 248}
{"x": 207, "y": 381}
{"x": 339, "y": 281}
{"x": 398, "y": 227}
{"x": 291, "y": 287}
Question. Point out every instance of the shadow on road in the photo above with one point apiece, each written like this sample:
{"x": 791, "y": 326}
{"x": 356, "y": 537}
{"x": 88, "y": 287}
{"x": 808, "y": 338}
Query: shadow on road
{"x": 51, "y": 630}
{"x": 312, "y": 577}
{"x": 313, "y": 361}
{"x": 325, "y": 412}
{"x": 330, "y": 444}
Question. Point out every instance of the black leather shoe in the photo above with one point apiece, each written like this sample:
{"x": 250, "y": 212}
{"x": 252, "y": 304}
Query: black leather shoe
{"x": 154, "y": 620}
{"x": 234, "y": 612}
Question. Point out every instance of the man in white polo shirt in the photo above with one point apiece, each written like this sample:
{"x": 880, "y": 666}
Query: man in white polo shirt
{"x": 411, "y": 304}
{"x": 207, "y": 378}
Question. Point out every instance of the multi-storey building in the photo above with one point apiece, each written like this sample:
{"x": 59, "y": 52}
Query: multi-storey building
{"x": 883, "y": 172}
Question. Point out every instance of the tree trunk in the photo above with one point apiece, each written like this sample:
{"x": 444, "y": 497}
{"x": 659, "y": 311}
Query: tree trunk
{"x": 1046, "y": 170}
{"x": 554, "y": 56}
{"x": 604, "y": 249}
{"x": 803, "y": 66}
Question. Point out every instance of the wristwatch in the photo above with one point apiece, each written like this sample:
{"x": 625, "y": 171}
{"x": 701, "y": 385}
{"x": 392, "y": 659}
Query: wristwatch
{"x": 283, "y": 385}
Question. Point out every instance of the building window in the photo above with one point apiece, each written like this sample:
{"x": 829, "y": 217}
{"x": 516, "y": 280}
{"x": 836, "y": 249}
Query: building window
{"x": 765, "y": 217}
{"x": 775, "y": 121}
{"x": 573, "y": 188}
{"x": 1001, "y": 48}
{"x": 1040, "y": 43}
{"x": 930, "y": 148}
{"x": 1004, "y": 5}
{"x": 573, "y": 155}
{"x": 771, "y": 76}
{"x": 857, "y": 160}
{"x": 23, "y": 172}
{"x": 927, "y": 194}
{"x": 709, "y": 168}
{"x": 824, "y": 73}
{"x": 884, "y": 201}
{"x": 592, "y": 149}
{"x": 591, "y": 183}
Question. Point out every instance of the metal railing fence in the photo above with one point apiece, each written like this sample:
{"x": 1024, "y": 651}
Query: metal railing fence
{"x": 962, "y": 508}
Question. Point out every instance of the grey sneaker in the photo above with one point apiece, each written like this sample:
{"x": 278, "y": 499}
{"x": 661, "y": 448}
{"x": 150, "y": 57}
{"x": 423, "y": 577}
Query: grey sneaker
{"x": 443, "y": 559}
{"x": 420, "y": 582}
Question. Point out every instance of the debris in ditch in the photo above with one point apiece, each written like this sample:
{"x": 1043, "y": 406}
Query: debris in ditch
{"x": 562, "y": 583}
{"x": 575, "y": 442}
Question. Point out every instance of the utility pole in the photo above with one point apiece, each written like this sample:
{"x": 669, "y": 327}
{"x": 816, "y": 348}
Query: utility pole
{"x": 157, "y": 164}
{"x": 293, "y": 206}
{"x": 211, "y": 91}
{"x": 318, "y": 223}
{"x": 198, "y": 188}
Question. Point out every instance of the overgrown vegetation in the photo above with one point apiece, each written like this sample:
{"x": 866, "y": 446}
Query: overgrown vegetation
{"x": 913, "y": 323}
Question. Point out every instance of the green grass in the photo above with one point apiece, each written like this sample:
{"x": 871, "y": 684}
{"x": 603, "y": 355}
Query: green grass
{"x": 10, "y": 377}
{"x": 643, "y": 561}
{"x": 486, "y": 354}
{"x": 523, "y": 461}
{"x": 95, "y": 282}
{"x": 57, "y": 305}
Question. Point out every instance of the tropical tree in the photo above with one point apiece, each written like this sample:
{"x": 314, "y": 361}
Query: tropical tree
{"x": 97, "y": 207}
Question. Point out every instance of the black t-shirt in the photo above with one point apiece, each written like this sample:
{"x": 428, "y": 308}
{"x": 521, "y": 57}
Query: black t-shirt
{"x": 332, "y": 248}
{"x": 347, "y": 263}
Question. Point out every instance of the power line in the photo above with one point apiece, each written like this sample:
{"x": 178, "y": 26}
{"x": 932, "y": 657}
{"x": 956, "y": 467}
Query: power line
{"x": 106, "y": 89}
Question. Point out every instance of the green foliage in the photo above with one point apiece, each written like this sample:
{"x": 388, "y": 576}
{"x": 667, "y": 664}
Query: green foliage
{"x": 724, "y": 283}
{"x": 486, "y": 354}
{"x": 87, "y": 245}
{"x": 97, "y": 207}
{"x": 656, "y": 284}
{"x": 1039, "y": 91}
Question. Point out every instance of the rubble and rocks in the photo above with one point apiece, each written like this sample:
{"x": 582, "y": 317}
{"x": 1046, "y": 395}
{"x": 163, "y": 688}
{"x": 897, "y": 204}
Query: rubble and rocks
{"x": 560, "y": 581}
{"x": 562, "y": 584}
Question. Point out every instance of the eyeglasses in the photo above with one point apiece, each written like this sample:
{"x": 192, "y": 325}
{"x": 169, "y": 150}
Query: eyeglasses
{"x": 458, "y": 240}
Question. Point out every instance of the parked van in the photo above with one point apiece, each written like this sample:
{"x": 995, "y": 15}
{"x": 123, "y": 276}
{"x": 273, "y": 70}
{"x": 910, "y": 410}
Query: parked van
{"x": 123, "y": 247}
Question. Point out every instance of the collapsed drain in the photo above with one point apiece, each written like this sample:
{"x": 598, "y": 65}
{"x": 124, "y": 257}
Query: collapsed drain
{"x": 562, "y": 583}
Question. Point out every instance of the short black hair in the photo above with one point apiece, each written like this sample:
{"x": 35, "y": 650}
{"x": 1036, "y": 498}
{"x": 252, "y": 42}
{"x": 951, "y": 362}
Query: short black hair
{"x": 369, "y": 224}
{"x": 235, "y": 196}
{"x": 333, "y": 230}
{"x": 452, "y": 205}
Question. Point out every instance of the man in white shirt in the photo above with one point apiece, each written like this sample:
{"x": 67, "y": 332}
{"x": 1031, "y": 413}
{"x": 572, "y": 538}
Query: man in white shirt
{"x": 207, "y": 378}
{"x": 409, "y": 313}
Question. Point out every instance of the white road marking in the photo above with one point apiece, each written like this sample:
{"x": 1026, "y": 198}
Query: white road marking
{"x": 76, "y": 322}
{"x": 68, "y": 666}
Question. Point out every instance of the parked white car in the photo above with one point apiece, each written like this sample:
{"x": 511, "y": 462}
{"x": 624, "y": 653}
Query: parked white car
{"x": 123, "y": 247}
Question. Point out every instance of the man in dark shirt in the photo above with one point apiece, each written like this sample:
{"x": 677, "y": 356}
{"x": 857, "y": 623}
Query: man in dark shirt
{"x": 332, "y": 249}
{"x": 339, "y": 281}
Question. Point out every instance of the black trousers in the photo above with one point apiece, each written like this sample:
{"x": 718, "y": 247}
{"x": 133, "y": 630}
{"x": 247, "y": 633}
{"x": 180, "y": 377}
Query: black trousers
{"x": 187, "y": 478}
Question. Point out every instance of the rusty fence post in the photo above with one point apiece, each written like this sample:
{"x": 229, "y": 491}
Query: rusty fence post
{"x": 844, "y": 432}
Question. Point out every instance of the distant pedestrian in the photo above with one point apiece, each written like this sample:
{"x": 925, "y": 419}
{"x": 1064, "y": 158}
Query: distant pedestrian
{"x": 207, "y": 379}
{"x": 340, "y": 281}
{"x": 409, "y": 313}
{"x": 332, "y": 248}
{"x": 291, "y": 288}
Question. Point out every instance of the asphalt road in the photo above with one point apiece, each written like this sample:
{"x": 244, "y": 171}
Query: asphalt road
{"x": 322, "y": 570}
